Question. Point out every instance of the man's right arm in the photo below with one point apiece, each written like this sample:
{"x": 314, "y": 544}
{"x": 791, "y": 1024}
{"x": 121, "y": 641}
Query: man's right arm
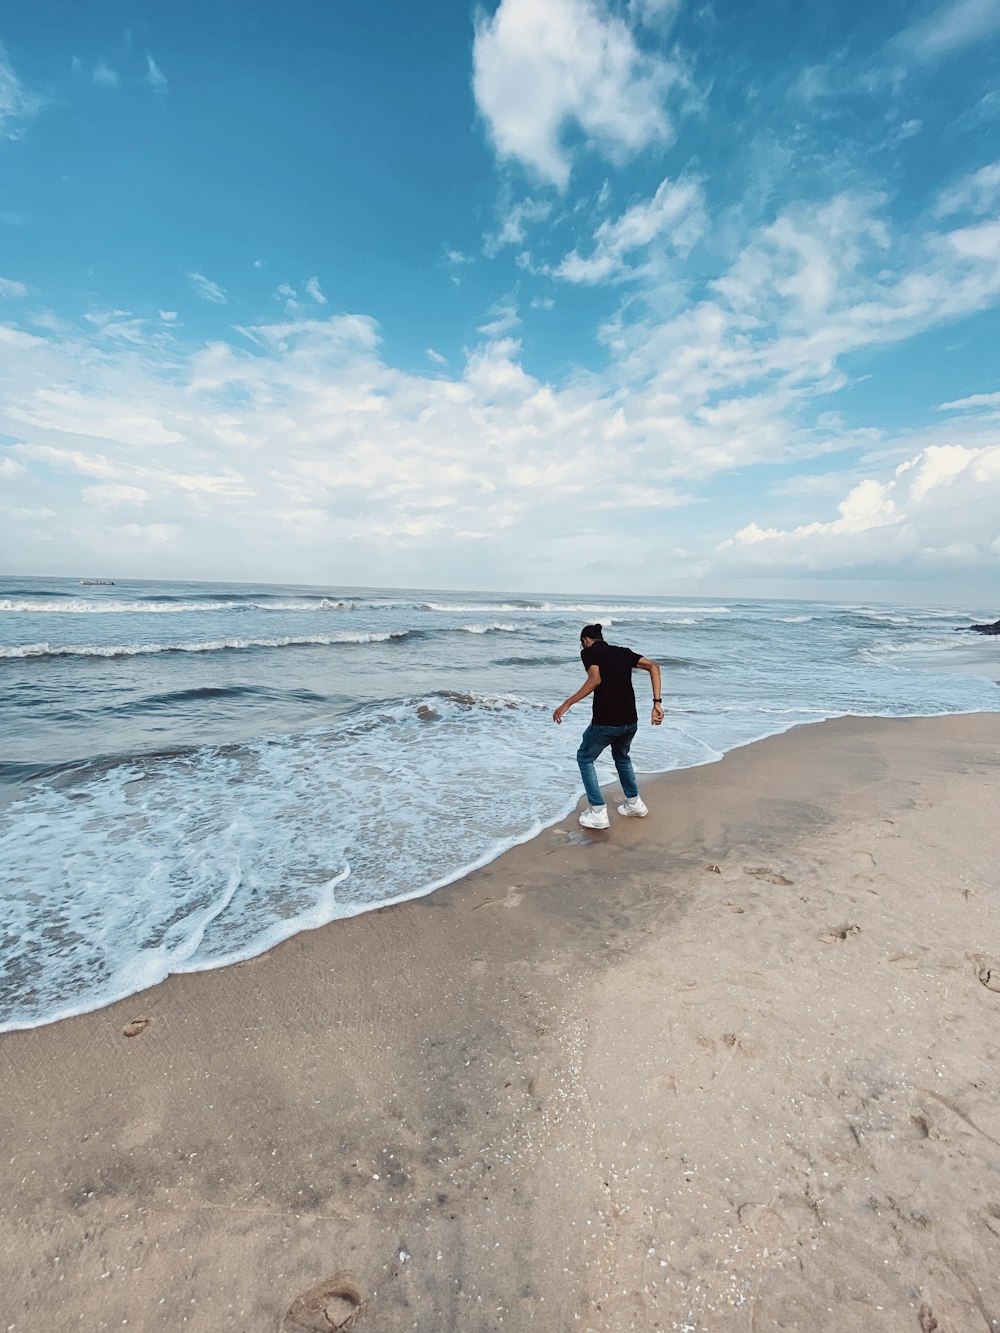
{"x": 588, "y": 687}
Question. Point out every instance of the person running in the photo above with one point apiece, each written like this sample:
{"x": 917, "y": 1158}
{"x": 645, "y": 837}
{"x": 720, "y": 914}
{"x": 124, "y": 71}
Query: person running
{"x": 615, "y": 721}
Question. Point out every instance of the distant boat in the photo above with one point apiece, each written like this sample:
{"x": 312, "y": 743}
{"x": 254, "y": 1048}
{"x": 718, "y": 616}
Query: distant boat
{"x": 98, "y": 583}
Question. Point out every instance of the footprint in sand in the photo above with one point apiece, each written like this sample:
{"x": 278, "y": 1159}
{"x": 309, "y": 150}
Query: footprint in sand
{"x": 733, "y": 907}
{"x": 838, "y": 934}
{"x": 765, "y": 872}
{"x": 334, "y": 1303}
{"x": 512, "y": 898}
{"x": 927, "y": 1319}
{"x": 990, "y": 977}
{"x": 136, "y": 1026}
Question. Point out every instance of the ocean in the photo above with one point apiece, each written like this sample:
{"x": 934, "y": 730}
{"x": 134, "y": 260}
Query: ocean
{"x": 192, "y": 772}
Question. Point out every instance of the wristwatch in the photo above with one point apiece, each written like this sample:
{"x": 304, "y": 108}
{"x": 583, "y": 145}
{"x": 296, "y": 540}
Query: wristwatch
{"x": 657, "y": 701}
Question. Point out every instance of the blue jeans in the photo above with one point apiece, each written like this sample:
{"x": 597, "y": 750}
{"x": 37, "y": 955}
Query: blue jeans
{"x": 596, "y": 739}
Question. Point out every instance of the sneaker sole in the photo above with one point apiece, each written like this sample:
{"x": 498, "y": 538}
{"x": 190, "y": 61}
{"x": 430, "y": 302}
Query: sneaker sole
{"x": 632, "y": 814}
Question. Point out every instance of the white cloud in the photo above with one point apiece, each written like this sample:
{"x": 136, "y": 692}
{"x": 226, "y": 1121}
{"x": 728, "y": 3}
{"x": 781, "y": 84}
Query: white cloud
{"x": 17, "y": 105}
{"x": 436, "y": 357}
{"x": 156, "y": 78}
{"x": 207, "y": 289}
{"x": 953, "y": 26}
{"x": 908, "y": 129}
{"x": 657, "y": 14}
{"x": 73, "y": 412}
{"x": 113, "y": 494}
{"x": 33, "y": 516}
{"x": 513, "y": 228}
{"x": 313, "y": 288}
{"x": 149, "y": 536}
{"x": 12, "y": 290}
{"x": 976, "y": 193}
{"x": 168, "y": 316}
{"x": 104, "y": 76}
{"x": 286, "y": 293}
{"x": 674, "y": 216}
{"x": 120, "y": 324}
{"x": 543, "y": 67}
{"x": 9, "y": 467}
{"x": 940, "y": 507}
{"x": 976, "y": 400}
{"x": 312, "y": 421}
{"x": 504, "y": 318}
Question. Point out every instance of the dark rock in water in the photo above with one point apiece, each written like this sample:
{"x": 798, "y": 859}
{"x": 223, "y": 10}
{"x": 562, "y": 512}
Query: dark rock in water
{"x": 984, "y": 629}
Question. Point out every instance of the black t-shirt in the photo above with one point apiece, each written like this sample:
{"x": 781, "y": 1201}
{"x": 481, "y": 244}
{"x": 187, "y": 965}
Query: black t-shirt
{"x": 614, "y": 698}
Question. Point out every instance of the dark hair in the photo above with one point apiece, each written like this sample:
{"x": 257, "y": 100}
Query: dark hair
{"x": 591, "y": 632}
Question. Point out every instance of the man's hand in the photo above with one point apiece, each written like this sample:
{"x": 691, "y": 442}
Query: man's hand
{"x": 560, "y": 713}
{"x": 657, "y": 717}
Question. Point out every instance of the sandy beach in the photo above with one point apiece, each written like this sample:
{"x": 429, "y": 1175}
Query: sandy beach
{"x": 731, "y": 1067}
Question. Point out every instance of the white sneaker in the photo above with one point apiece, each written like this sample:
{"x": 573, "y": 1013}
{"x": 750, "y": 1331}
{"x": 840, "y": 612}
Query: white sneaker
{"x": 595, "y": 816}
{"x": 636, "y": 806}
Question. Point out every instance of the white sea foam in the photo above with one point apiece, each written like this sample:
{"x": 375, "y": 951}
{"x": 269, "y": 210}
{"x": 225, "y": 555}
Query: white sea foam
{"x": 887, "y": 647}
{"x": 208, "y": 646}
{"x": 576, "y": 609}
{"x": 118, "y": 874}
{"x": 477, "y": 608}
{"x": 488, "y": 629}
{"x": 80, "y": 606}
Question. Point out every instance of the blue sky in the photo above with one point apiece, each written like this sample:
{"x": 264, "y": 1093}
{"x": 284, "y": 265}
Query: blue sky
{"x": 544, "y": 295}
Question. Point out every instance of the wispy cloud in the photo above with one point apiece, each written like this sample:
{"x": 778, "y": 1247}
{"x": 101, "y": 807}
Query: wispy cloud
{"x": 17, "y": 105}
{"x": 950, "y": 28}
{"x": 113, "y": 494}
{"x": 104, "y": 76}
{"x": 286, "y": 293}
{"x": 544, "y": 67}
{"x": 11, "y": 289}
{"x": 503, "y": 319}
{"x": 976, "y": 193}
{"x": 656, "y": 14}
{"x": 156, "y": 78}
{"x": 674, "y": 216}
{"x": 207, "y": 289}
{"x": 515, "y": 222}
{"x": 974, "y": 402}
{"x": 315, "y": 291}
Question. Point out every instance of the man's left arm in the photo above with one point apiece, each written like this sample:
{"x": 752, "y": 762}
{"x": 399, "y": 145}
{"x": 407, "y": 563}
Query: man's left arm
{"x": 647, "y": 664}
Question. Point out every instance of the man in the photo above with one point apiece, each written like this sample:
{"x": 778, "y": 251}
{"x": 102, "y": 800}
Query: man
{"x": 609, "y": 680}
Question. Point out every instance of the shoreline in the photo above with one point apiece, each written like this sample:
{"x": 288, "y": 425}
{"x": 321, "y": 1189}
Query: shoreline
{"x": 609, "y": 1086}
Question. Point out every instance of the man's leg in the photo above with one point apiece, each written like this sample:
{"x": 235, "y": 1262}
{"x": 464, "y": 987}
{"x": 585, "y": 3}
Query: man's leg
{"x": 594, "y": 741}
{"x": 620, "y": 746}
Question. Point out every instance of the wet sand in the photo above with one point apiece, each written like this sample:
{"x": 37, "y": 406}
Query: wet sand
{"x": 731, "y": 1067}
